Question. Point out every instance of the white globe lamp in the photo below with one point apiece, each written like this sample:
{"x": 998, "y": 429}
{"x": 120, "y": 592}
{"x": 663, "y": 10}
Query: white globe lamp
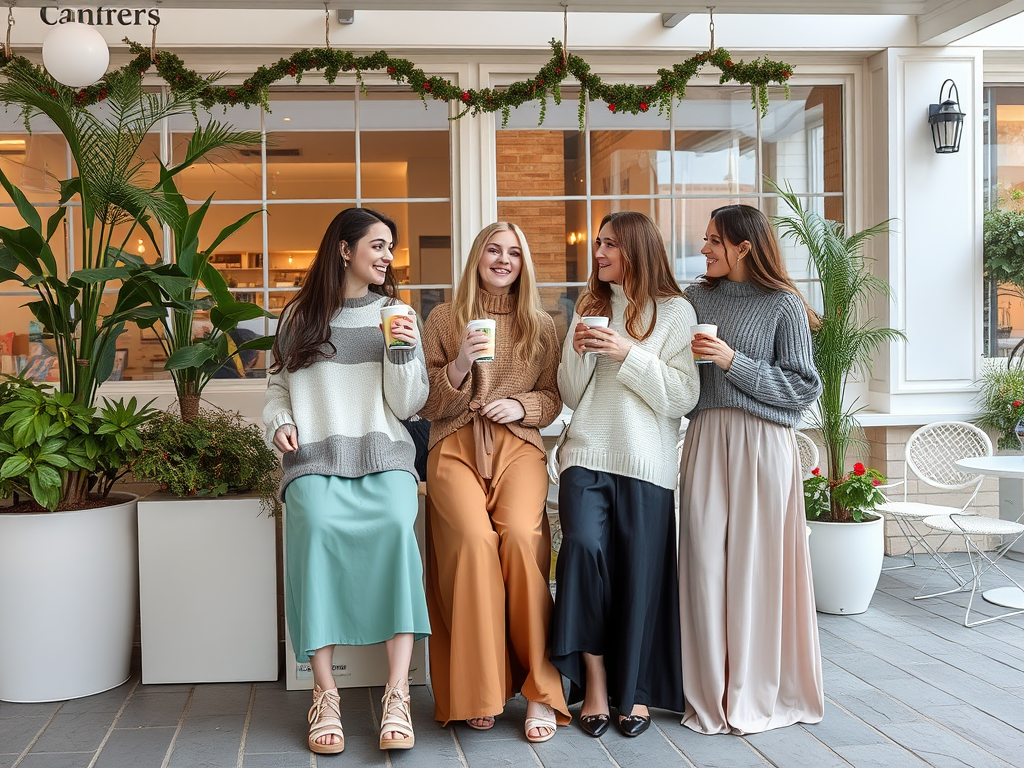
{"x": 75, "y": 54}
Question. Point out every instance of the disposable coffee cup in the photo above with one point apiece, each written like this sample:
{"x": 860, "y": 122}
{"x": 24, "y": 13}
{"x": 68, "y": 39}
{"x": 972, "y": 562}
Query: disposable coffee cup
{"x": 490, "y": 328}
{"x": 708, "y": 330}
{"x": 387, "y": 314}
{"x": 594, "y": 321}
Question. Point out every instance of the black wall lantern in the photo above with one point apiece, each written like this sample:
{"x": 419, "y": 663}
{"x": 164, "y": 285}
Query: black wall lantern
{"x": 946, "y": 120}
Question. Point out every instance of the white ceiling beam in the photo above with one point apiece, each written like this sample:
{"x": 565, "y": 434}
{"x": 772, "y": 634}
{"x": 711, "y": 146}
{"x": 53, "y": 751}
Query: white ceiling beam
{"x": 671, "y": 19}
{"x": 947, "y": 21}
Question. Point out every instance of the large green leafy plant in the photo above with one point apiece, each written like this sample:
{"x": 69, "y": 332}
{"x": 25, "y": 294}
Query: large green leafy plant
{"x": 47, "y": 440}
{"x": 1001, "y": 402}
{"x": 114, "y": 196}
{"x": 846, "y": 339}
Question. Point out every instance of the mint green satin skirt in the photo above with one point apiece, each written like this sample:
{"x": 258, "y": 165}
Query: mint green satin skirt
{"x": 354, "y": 574}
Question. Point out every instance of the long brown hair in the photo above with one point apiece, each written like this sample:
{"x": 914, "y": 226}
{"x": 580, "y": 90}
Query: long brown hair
{"x": 307, "y": 327}
{"x": 468, "y": 303}
{"x": 646, "y": 273}
{"x": 767, "y": 270}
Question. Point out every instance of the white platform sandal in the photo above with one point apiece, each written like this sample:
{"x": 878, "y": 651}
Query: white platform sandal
{"x": 396, "y": 717}
{"x": 325, "y": 720}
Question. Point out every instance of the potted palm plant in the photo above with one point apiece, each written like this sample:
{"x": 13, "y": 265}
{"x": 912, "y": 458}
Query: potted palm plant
{"x": 847, "y": 539}
{"x": 91, "y": 650}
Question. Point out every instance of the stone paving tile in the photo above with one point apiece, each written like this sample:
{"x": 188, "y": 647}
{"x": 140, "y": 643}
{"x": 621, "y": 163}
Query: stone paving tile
{"x": 109, "y": 701}
{"x": 75, "y": 732}
{"x": 148, "y": 710}
{"x": 56, "y": 760}
{"x": 220, "y": 699}
{"x": 277, "y": 760}
{"x": 940, "y": 747}
{"x": 795, "y": 748}
{"x": 8, "y": 709}
{"x": 720, "y": 751}
{"x": 135, "y": 748}
{"x": 208, "y": 742}
{"x": 16, "y": 733}
{"x": 887, "y": 755}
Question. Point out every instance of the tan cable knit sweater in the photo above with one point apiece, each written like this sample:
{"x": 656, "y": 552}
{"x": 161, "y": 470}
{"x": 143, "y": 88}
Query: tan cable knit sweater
{"x": 533, "y": 382}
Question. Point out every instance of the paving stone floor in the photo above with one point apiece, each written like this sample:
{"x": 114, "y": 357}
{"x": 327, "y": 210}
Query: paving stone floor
{"x": 906, "y": 686}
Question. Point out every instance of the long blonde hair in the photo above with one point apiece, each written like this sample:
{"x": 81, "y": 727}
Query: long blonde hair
{"x": 646, "y": 273}
{"x": 468, "y": 303}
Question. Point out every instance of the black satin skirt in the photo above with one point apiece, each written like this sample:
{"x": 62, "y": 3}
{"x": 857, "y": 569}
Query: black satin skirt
{"x": 618, "y": 589}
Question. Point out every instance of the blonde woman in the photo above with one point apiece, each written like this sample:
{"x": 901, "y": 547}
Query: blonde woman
{"x": 488, "y": 543}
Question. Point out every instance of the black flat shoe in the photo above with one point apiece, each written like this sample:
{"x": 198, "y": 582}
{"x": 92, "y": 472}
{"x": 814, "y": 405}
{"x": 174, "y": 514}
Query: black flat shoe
{"x": 594, "y": 725}
{"x": 634, "y": 725}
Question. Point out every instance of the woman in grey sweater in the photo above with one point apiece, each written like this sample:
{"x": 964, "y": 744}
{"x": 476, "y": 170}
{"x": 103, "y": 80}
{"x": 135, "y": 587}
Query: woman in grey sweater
{"x": 751, "y": 660}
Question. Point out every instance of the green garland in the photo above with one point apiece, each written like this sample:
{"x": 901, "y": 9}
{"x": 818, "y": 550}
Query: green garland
{"x": 619, "y": 97}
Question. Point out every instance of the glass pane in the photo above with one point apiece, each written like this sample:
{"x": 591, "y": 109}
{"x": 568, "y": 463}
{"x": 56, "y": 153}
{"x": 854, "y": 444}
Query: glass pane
{"x": 389, "y": 108}
{"x": 12, "y": 219}
{"x": 423, "y": 254}
{"x": 35, "y": 163}
{"x": 540, "y": 163}
{"x": 240, "y": 257}
{"x": 228, "y": 174}
{"x": 311, "y": 148}
{"x": 691, "y": 222}
{"x": 803, "y": 138}
{"x": 140, "y": 355}
{"x": 557, "y": 233}
{"x": 626, "y": 162}
{"x": 423, "y": 300}
{"x": 559, "y": 301}
{"x": 795, "y": 256}
{"x": 403, "y": 164}
{"x": 564, "y": 116}
{"x": 716, "y": 139}
{"x": 15, "y": 347}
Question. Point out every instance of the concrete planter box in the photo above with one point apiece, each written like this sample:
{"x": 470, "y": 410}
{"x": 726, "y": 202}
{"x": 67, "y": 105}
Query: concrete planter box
{"x": 68, "y": 601}
{"x": 208, "y": 590}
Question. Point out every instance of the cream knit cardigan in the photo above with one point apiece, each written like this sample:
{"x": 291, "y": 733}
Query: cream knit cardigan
{"x": 626, "y": 417}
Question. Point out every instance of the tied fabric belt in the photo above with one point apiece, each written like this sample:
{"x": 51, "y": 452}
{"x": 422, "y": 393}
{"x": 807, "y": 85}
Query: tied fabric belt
{"x": 483, "y": 440}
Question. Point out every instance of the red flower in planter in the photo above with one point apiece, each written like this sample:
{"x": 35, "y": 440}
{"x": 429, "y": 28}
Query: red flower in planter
{"x": 858, "y": 469}
{"x": 816, "y": 472}
{"x": 1018, "y": 403}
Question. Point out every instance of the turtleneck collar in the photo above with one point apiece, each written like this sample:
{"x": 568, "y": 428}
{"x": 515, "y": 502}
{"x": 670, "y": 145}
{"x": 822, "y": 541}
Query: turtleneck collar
{"x": 738, "y": 288}
{"x": 618, "y": 295}
{"x": 495, "y": 304}
{"x": 363, "y": 301}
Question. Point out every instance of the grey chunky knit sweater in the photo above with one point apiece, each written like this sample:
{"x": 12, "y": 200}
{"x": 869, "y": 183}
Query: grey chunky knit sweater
{"x": 773, "y": 374}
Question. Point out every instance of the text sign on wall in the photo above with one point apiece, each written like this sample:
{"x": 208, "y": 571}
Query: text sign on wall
{"x": 100, "y": 16}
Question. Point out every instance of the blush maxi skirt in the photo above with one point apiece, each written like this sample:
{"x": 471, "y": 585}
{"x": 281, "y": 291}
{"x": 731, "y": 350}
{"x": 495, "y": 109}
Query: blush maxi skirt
{"x": 751, "y": 659}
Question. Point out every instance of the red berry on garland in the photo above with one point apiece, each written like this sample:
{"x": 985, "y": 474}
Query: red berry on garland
{"x": 611, "y": 107}
{"x": 643, "y": 106}
{"x": 540, "y": 81}
{"x": 558, "y": 71}
{"x": 426, "y": 86}
{"x": 728, "y": 63}
{"x": 465, "y": 97}
{"x": 391, "y": 70}
{"x": 786, "y": 74}
{"x": 232, "y": 93}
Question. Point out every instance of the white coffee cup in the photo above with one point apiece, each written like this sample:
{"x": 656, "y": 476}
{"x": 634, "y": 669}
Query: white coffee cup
{"x": 490, "y": 328}
{"x": 594, "y": 321}
{"x": 708, "y": 330}
{"x": 387, "y": 314}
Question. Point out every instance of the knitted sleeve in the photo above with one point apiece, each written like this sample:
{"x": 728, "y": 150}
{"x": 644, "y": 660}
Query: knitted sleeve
{"x": 575, "y": 370}
{"x": 790, "y": 382}
{"x": 666, "y": 380}
{"x": 405, "y": 381}
{"x": 444, "y": 401}
{"x": 543, "y": 403}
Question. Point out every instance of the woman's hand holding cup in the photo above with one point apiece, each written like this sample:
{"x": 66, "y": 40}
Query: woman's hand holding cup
{"x": 475, "y": 344}
{"x": 403, "y": 328}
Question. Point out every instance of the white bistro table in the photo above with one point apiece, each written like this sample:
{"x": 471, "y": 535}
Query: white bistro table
{"x": 1010, "y": 471}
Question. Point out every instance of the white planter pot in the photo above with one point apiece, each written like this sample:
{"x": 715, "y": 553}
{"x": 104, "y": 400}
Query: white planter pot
{"x": 68, "y": 601}
{"x": 846, "y": 561}
{"x": 208, "y": 590}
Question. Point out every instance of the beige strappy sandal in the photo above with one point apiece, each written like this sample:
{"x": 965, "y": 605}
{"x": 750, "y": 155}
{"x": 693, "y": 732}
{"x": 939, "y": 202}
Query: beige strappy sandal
{"x": 547, "y": 726}
{"x": 325, "y": 720}
{"x": 396, "y": 717}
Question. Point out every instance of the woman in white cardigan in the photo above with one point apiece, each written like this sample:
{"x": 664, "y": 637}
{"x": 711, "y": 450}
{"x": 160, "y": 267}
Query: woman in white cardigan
{"x": 616, "y": 621}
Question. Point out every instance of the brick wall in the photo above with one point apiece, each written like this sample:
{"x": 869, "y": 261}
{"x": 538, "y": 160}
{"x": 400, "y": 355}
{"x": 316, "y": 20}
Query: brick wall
{"x": 532, "y": 163}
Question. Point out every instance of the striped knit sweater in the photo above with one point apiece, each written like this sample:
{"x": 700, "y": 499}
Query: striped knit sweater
{"x": 772, "y": 375}
{"x": 626, "y": 416}
{"x": 347, "y": 408}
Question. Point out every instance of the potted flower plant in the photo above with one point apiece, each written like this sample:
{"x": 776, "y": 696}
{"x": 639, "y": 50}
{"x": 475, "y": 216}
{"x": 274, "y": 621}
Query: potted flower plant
{"x": 847, "y": 539}
{"x": 1001, "y": 401}
{"x": 91, "y": 586}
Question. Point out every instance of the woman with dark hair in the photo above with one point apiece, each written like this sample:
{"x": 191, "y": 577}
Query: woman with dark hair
{"x": 334, "y": 399}
{"x": 751, "y": 660}
{"x": 616, "y": 623}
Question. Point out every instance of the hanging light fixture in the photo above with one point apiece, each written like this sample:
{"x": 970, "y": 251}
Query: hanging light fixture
{"x": 946, "y": 120}
{"x": 75, "y": 54}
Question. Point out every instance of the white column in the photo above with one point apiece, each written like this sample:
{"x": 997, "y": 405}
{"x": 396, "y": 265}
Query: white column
{"x": 933, "y": 257}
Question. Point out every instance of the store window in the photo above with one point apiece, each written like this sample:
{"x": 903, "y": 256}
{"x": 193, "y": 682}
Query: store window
{"x": 1003, "y": 220}
{"x": 558, "y": 182}
{"x": 323, "y": 150}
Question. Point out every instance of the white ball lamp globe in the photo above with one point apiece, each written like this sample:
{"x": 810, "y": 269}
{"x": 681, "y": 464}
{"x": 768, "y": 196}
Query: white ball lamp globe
{"x": 75, "y": 54}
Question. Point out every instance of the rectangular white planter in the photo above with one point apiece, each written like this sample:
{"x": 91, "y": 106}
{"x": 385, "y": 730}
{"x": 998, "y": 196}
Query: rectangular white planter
{"x": 208, "y": 589}
{"x": 358, "y": 666}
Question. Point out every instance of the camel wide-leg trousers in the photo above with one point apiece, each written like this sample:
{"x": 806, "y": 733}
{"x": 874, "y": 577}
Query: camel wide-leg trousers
{"x": 488, "y": 557}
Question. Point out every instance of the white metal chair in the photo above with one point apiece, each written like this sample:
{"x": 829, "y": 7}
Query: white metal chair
{"x": 930, "y": 455}
{"x": 808, "y": 451}
{"x": 982, "y": 561}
